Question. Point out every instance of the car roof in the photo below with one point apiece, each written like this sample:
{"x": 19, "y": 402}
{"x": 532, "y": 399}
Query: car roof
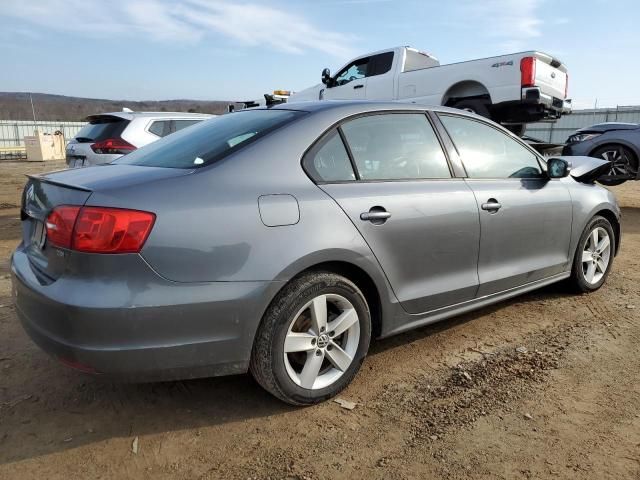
{"x": 132, "y": 115}
{"x": 361, "y": 106}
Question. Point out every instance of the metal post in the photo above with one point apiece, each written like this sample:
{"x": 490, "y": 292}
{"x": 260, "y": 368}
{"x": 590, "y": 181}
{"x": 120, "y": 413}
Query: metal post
{"x": 33, "y": 110}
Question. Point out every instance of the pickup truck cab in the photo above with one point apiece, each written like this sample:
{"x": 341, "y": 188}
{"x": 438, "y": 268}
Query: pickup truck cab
{"x": 511, "y": 89}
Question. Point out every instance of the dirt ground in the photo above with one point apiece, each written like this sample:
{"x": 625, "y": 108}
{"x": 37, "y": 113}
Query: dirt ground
{"x": 544, "y": 386}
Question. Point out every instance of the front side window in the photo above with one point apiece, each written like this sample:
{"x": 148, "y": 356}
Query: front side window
{"x": 328, "y": 160}
{"x": 354, "y": 71}
{"x": 210, "y": 140}
{"x": 487, "y": 152}
{"x": 395, "y": 146}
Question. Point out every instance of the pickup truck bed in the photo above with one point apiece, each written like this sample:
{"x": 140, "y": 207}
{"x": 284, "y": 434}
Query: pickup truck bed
{"x": 511, "y": 89}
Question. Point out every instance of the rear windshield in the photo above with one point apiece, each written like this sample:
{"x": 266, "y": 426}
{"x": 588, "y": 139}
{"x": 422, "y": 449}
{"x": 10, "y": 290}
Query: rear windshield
{"x": 101, "y": 129}
{"x": 210, "y": 140}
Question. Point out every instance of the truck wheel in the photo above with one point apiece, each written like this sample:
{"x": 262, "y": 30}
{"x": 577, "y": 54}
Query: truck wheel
{"x": 479, "y": 107}
{"x": 312, "y": 339}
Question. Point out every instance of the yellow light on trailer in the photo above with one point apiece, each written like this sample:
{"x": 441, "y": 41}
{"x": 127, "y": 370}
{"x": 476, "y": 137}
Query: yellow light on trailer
{"x": 282, "y": 92}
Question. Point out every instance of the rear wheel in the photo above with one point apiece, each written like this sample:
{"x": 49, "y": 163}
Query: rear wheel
{"x": 623, "y": 163}
{"x": 479, "y": 107}
{"x": 312, "y": 339}
{"x": 594, "y": 255}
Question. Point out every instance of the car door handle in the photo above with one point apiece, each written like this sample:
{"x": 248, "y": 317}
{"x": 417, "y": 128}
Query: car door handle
{"x": 492, "y": 205}
{"x": 355, "y": 87}
{"x": 375, "y": 215}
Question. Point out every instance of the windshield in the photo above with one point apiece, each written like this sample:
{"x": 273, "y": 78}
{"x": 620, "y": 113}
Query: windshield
{"x": 210, "y": 140}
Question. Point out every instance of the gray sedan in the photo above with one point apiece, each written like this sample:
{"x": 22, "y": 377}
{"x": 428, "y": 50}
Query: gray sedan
{"x": 282, "y": 240}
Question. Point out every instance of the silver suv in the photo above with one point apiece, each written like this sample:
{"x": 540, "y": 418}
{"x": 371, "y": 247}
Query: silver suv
{"x": 110, "y": 135}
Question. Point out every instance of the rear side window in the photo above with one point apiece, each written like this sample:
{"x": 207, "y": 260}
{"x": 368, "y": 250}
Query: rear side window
{"x": 210, "y": 140}
{"x": 161, "y": 128}
{"x": 395, "y": 147}
{"x": 328, "y": 160}
{"x": 487, "y": 152}
{"x": 101, "y": 128}
{"x": 180, "y": 124}
{"x": 380, "y": 64}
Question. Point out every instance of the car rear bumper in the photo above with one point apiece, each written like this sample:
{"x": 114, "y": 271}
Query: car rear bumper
{"x": 132, "y": 331}
{"x": 553, "y": 105}
{"x": 77, "y": 161}
{"x": 533, "y": 106}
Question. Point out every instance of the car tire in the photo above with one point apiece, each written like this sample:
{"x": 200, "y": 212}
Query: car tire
{"x": 627, "y": 162}
{"x": 479, "y": 107}
{"x": 587, "y": 274}
{"x": 290, "y": 339}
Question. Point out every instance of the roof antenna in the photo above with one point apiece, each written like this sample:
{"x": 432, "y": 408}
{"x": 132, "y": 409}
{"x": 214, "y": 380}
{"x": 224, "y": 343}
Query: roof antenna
{"x": 127, "y": 110}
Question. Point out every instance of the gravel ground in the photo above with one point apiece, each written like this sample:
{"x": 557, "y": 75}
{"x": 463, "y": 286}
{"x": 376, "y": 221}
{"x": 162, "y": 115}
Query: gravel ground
{"x": 543, "y": 386}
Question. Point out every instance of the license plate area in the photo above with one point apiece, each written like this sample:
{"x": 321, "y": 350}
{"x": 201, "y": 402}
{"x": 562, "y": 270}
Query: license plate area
{"x": 76, "y": 161}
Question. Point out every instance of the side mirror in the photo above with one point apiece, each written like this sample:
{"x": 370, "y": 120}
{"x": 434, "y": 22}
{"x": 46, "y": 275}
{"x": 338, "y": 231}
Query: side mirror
{"x": 326, "y": 77}
{"x": 558, "y": 168}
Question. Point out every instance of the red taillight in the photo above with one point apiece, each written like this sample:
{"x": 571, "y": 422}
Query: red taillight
{"x": 60, "y": 224}
{"x": 113, "y": 146}
{"x": 528, "y": 72}
{"x": 99, "y": 229}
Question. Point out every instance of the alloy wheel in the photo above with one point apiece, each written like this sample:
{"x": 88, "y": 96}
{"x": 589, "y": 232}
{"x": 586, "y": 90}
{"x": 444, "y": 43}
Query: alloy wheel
{"x": 596, "y": 255}
{"x": 620, "y": 161}
{"x": 322, "y": 341}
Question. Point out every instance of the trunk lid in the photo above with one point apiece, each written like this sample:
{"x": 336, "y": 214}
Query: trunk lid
{"x": 38, "y": 199}
{"x": 551, "y": 76}
{"x": 43, "y": 193}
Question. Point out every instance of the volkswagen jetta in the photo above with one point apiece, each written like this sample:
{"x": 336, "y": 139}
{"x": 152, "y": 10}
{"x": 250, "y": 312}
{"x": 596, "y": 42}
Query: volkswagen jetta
{"x": 281, "y": 240}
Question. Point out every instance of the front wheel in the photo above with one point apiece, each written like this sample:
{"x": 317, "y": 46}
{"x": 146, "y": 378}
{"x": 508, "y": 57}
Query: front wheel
{"x": 312, "y": 339}
{"x": 594, "y": 255}
{"x": 623, "y": 164}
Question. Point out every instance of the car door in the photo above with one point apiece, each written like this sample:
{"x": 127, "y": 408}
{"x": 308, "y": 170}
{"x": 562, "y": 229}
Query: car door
{"x": 350, "y": 83}
{"x": 392, "y": 179}
{"x": 525, "y": 217}
{"x": 380, "y": 77}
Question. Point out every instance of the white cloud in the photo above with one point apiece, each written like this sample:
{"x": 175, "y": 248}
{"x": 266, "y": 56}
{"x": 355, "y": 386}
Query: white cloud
{"x": 510, "y": 23}
{"x": 185, "y": 22}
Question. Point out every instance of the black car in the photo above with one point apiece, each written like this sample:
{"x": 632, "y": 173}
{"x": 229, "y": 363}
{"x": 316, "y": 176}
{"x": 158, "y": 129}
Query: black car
{"x": 617, "y": 142}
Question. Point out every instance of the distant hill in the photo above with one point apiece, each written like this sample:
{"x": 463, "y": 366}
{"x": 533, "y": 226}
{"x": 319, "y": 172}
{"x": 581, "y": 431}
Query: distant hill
{"x": 16, "y": 106}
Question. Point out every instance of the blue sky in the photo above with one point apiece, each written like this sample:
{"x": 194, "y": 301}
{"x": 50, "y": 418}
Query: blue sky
{"x": 226, "y": 49}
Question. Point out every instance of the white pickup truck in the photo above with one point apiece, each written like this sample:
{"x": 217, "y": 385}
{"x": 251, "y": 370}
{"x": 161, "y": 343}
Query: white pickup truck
{"x": 510, "y": 89}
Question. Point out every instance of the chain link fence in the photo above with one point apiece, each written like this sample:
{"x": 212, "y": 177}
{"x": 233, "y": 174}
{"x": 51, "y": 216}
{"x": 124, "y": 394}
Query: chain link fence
{"x": 12, "y": 133}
